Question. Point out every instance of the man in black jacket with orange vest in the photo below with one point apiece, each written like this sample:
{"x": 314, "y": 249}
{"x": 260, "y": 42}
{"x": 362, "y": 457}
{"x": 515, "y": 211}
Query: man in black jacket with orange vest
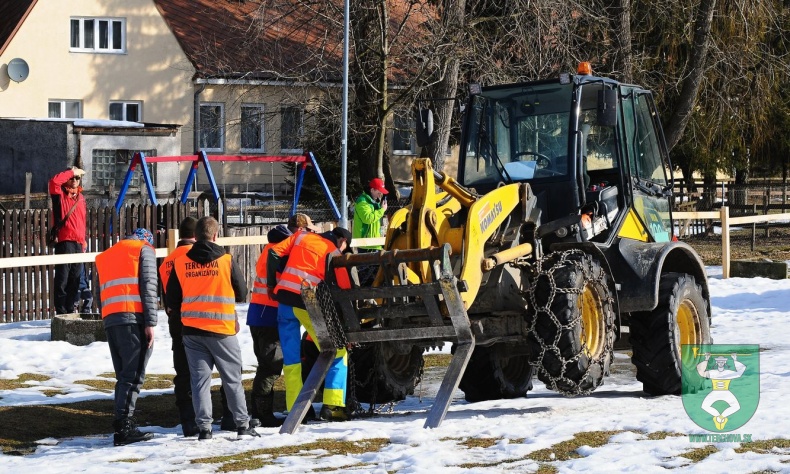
{"x": 127, "y": 278}
{"x": 181, "y": 384}
{"x": 203, "y": 289}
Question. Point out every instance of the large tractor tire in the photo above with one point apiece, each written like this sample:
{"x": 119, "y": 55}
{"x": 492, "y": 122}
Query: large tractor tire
{"x": 572, "y": 322}
{"x": 385, "y": 372}
{"x": 657, "y": 336}
{"x": 493, "y": 374}
{"x": 381, "y": 373}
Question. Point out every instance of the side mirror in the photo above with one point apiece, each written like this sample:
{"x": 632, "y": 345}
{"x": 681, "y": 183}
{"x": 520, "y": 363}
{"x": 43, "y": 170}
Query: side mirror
{"x": 607, "y": 108}
{"x": 424, "y": 127}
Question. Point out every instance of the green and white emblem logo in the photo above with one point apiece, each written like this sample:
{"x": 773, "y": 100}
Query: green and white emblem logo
{"x": 721, "y": 384}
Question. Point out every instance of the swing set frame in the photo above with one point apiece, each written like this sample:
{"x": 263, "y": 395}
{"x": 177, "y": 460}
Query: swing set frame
{"x": 305, "y": 160}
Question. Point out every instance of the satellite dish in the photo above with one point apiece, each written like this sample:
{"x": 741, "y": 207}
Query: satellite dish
{"x": 18, "y": 69}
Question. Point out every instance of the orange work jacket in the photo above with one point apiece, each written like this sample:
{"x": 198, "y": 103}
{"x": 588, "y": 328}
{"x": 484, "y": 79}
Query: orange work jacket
{"x": 167, "y": 264}
{"x": 119, "y": 278}
{"x": 260, "y": 292}
{"x": 208, "y": 299}
{"x": 307, "y": 253}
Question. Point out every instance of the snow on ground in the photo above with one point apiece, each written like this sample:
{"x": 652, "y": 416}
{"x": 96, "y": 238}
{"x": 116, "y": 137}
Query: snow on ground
{"x": 745, "y": 311}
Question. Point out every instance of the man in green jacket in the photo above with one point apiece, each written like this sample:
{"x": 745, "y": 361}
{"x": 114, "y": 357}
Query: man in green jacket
{"x": 369, "y": 208}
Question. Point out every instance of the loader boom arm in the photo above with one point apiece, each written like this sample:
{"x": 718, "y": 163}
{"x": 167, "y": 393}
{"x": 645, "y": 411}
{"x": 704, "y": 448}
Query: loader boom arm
{"x": 428, "y": 223}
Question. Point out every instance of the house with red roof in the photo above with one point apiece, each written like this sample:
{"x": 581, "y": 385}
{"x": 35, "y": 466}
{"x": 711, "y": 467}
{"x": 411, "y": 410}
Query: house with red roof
{"x": 237, "y": 77}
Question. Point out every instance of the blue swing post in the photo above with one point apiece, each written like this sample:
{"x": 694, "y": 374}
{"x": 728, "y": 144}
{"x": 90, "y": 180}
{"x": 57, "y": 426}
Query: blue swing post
{"x": 321, "y": 180}
{"x": 300, "y": 180}
{"x": 138, "y": 158}
{"x": 201, "y": 158}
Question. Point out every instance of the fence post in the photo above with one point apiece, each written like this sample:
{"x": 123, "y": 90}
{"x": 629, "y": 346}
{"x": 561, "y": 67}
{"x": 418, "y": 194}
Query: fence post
{"x": 725, "y": 242}
{"x": 28, "y": 181}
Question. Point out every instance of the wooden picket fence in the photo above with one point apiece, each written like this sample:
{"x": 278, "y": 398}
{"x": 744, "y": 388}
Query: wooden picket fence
{"x": 27, "y": 292}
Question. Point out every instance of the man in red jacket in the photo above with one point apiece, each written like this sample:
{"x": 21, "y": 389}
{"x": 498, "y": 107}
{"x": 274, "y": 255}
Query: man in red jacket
{"x": 69, "y": 211}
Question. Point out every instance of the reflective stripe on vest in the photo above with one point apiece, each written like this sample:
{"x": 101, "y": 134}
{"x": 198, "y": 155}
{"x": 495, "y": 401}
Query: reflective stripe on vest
{"x": 306, "y": 262}
{"x": 260, "y": 292}
{"x": 208, "y": 302}
{"x": 119, "y": 278}
{"x": 167, "y": 264}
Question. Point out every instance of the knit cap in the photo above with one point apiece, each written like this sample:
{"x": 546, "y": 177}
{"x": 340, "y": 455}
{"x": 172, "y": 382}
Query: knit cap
{"x": 143, "y": 234}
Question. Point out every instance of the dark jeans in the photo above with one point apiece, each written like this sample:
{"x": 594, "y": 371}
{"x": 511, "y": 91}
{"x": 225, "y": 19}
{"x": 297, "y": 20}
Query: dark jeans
{"x": 67, "y": 278}
{"x": 130, "y": 353}
{"x": 183, "y": 389}
{"x": 266, "y": 344}
{"x": 83, "y": 303}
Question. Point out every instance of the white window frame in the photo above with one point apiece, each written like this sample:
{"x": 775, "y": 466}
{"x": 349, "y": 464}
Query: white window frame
{"x": 125, "y": 104}
{"x": 300, "y": 132}
{"x": 221, "y": 106}
{"x": 405, "y": 118}
{"x": 80, "y": 47}
{"x": 109, "y": 167}
{"x": 261, "y": 110}
{"x": 63, "y": 103}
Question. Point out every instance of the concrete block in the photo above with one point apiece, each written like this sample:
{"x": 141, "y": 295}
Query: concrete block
{"x": 758, "y": 268}
{"x": 79, "y": 329}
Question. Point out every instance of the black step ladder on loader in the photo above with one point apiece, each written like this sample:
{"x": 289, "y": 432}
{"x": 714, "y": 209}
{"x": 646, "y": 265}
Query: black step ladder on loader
{"x": 417, "y": 312}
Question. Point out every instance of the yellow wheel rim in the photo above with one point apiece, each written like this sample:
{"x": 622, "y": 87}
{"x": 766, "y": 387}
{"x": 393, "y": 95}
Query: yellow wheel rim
{"x": 687, "y": 331}
{"x": 593, "y": 331}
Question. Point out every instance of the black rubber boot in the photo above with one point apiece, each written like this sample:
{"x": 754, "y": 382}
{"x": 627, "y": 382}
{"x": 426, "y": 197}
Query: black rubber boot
{"x": 263, "y": 408}
{"x": 188, "y": 425}
{"x": 126, "y": 432}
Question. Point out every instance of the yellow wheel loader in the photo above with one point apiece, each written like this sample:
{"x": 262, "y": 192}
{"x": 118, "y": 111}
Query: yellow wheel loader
{"x": 555, "y": 239}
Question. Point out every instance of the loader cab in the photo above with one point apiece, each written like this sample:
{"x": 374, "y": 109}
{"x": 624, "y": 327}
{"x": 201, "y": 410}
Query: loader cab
{"x": 588, "y": 146}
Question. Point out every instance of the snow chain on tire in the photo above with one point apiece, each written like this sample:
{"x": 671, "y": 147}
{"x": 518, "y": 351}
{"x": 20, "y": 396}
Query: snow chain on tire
{"x": 541, "y": 313}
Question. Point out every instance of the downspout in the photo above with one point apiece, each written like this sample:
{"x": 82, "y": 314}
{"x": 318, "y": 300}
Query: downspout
{"x": 78, "y": 158}
{"x": 196, "y": 122}
{"x": 196, "y": 118}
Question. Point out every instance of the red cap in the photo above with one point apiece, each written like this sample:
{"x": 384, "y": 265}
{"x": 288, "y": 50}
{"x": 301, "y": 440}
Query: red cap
{"x": 378, "y": 185}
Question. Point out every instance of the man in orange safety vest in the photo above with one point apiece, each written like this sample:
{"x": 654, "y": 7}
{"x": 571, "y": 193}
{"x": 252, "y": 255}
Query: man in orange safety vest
{"x": 127, "y": 282}
{"x": 307, "y": 254}
{"x": 203, "y": 289}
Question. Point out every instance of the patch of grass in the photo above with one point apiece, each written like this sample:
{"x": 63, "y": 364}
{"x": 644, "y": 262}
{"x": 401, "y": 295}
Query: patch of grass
{"x": 699, "y": 454}
{"x": 659, "y": 435}
{"x": 22, "y": 381}
{"x": 98, "y": 384}
{"x": 566, "y": 450}
{"x": 53, "y": 392}
{"x": 342, "y": 468}
{"x": 258, "y": 458}
{"x": 436, "y": 360}
{"x": 157, "y": 381}
{"x": 479, "y": 442}
{"x": 130, "y": 460}
{"x": 763, "y": 446}
{"x": 546, "y": 469}
{"x": 482, "y": 443}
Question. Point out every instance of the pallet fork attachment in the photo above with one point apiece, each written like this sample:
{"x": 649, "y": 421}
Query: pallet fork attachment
{"x": 431, "y": 311}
